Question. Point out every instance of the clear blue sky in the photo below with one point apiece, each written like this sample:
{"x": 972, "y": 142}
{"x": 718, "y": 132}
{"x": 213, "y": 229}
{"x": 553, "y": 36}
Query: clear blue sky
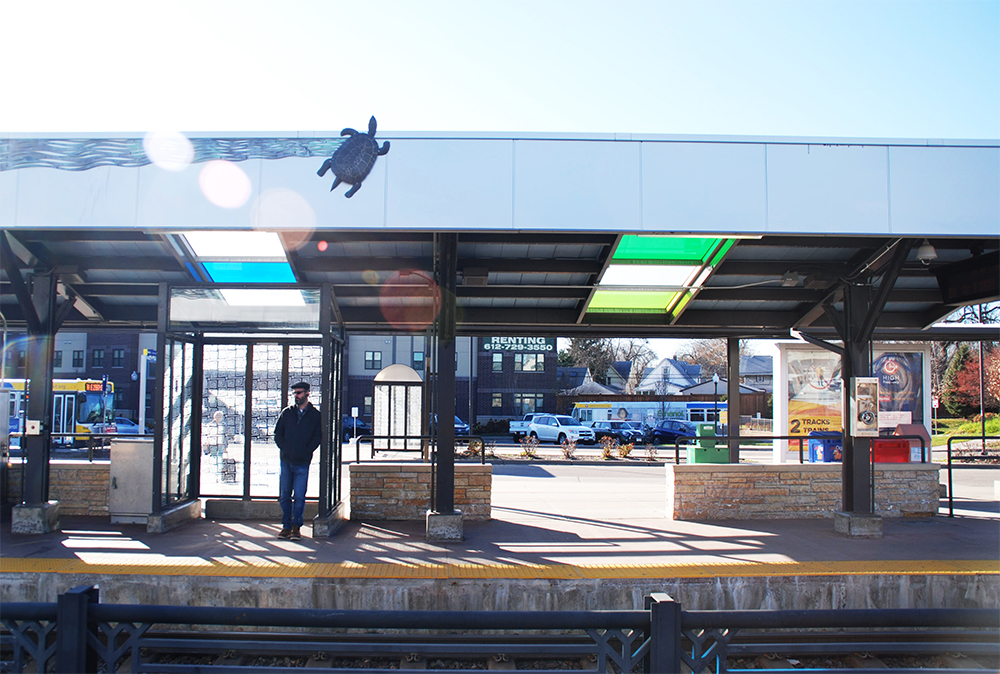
{"x": 807, "y": 68}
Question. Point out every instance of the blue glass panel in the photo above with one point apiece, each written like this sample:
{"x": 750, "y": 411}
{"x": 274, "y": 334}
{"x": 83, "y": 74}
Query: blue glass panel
{"x": 250, "y": 272}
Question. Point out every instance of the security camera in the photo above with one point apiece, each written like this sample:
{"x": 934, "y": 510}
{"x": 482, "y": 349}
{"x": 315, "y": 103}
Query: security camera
{"x": 926, "y": 253}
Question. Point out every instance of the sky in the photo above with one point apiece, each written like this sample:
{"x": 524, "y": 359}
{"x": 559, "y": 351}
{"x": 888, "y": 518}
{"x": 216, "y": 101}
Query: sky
{"x": 873, "y": 69}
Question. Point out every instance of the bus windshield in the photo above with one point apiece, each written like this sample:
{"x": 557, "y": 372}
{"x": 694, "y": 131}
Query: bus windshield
{"x": 91, "y": 404}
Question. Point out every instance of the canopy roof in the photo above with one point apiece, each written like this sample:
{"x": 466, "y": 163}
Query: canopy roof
{"x": 544, "y": 283}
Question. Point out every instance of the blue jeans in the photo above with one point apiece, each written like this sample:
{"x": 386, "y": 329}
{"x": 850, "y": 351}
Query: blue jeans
{"x": 292, "y": 493}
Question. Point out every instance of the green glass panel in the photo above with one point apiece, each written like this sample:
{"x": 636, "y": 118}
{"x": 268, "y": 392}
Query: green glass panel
{"x": 663, "y": 249}
{"x": 717, "y": 258}
{"x": 613, "y": 301}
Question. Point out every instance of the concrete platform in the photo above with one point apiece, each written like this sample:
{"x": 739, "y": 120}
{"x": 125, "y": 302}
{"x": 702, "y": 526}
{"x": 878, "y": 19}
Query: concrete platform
{"x": 562, "y": 537}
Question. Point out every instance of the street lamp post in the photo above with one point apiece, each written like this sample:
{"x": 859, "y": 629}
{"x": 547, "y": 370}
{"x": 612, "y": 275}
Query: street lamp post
{"x": 715, "y": 420}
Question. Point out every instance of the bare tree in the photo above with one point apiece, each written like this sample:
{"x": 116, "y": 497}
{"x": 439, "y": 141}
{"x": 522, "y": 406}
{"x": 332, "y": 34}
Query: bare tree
{"x": 594, "y": 354}
{"x": 712, "y": 355}
{"x": 599, "y": 354}
{"x": 637, "y": 352}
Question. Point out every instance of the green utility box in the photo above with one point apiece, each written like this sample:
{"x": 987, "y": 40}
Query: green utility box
{"x": 706, "y": 431}
{"x": 706, "y": 451}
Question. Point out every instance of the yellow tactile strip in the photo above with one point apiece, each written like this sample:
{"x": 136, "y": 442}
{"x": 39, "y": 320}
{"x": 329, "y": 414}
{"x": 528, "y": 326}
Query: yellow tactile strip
{"x": 128, "y": 564}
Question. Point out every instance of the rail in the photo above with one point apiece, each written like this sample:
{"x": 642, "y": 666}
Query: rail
{"x": 924, "y": 456}
{"x": 79, "y": 634}
{"x": 431, "y": 439}
{"x": 94, "y": 440}
{"x": 982, "y": 457}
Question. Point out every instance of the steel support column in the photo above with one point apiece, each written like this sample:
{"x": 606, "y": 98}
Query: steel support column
{"x": 159, "y": 428}
{"x": 447, "y": 245}
{"x": 733, "y": 402}
{"x": 38, "y": 350}
{"x": 326, "y": 411}
{"x": 856, "y": 474}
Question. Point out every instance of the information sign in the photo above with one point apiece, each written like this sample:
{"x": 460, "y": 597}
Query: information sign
{"x": 519, "y": 344}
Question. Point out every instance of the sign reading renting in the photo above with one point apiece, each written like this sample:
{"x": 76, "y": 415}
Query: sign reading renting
{"x": 519, "y": 344}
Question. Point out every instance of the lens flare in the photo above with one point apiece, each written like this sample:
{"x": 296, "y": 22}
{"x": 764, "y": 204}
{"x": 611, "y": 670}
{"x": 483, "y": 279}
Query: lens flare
{"x": 224, "y": 184}
{"x": 370, "y": 276}
{"x": 410, "y": 300}
{"x": 322, "y": 246}
{"x": 286, "y": 211}
{"x": 170, "y": 150}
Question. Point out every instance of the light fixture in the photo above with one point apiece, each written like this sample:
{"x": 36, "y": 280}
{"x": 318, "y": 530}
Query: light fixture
{"x": 790, "y": 279}
{"x": 926, "y": 253}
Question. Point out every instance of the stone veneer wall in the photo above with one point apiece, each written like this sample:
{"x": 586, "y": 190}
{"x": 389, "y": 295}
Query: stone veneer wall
{"x": 81, "y": 487}
{"x": 791, "y": 491}
{"x": 402, "y": 491}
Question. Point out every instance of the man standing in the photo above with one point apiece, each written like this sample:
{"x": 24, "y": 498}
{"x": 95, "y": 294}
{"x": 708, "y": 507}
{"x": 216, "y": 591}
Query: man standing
{"x": 297, "y": 435}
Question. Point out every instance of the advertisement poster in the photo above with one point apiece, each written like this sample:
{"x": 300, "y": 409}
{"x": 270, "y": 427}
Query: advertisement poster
{"x": 815, "y": 392}
{"x": 901, "y": 392}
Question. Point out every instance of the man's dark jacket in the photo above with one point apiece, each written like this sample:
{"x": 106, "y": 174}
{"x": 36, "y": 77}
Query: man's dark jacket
{"x": 297, "y": 438}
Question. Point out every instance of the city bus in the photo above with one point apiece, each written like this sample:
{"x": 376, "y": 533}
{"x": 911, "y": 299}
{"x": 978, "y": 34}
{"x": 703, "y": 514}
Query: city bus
{"x": 81, "y": 406}
{"x": 648, "y": 412}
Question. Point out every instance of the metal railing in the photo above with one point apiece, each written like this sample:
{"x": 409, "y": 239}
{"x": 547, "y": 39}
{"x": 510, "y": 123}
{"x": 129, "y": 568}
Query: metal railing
{"x": 431, "y": 441}
{"x": 79, "y": 634}
{"x": 981, "y": 457}
{"x": 924, "y": 456}
{"x": 93, "y": 441}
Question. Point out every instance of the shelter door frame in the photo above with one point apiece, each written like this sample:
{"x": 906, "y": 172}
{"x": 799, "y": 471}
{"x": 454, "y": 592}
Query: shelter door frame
{"x": 180, "y": 400}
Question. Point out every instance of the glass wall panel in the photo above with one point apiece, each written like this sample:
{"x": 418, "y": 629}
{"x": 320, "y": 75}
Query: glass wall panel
{"x": 265, "y": 462}
{"x": 177, "y": 408}
{"x": 223, "y": 405}
{"x": 305, "y": 363}
{"x": 381, "y": 415}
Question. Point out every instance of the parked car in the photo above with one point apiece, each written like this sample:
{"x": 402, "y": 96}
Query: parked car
{"x": 461, "y": 428}
{"x": 667, "y": 431}
{"x": 621, "y": 431}
{"x": 519, "y": 429}
{"x": 352, "y": 431}
{"x": 127, "y": 426}
{"x": 558, "y": 428}
{"x": 645, "y": 432}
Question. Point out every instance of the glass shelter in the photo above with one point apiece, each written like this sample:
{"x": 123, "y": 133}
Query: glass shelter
{"x": 397, "y": 413}
{"x": 229, "y": 354}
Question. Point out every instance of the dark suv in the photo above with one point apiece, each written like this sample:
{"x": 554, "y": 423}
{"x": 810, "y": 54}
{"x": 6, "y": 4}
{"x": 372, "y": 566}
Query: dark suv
{"x": 667, "y": 431}
{"x": 349, "y": 428}
{"x": 622, "y": 431}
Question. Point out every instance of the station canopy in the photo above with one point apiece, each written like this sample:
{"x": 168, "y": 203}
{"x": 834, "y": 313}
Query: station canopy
{"x": 614, "y": 235}
{"x": 557, "y": 283}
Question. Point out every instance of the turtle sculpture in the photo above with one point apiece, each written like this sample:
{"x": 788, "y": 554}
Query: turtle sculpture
{"x": 355, "y": 157}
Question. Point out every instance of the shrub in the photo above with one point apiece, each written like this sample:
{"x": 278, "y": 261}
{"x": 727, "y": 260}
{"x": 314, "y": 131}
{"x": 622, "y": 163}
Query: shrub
{"x": 608, "y": 447}
{"x": 492, "y": 427}
{"x": 650, "y": 452}
{"x": 568, "y": 449}
{"x": 625, "y": 450}
{"x": 529, "y": 447}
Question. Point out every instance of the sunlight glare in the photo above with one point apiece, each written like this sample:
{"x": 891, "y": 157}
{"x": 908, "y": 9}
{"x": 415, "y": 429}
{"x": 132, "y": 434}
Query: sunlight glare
{"x": 224, "y": 184}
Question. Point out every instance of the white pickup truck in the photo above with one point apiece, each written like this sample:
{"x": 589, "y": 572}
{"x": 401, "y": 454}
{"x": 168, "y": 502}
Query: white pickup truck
{"x": 558, "y": 428}
{"x": 519, "y": 429}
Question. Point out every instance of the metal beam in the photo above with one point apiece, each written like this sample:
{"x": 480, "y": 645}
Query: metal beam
{"x": 605, "y": 262}
{"x": 20, "y": 288}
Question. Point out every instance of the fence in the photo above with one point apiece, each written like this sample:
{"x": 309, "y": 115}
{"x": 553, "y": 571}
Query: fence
{"x": 985, "y": 456}
{"x": 79, "y": 634}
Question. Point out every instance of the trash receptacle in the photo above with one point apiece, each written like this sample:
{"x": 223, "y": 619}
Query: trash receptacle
{"x": 825, "y": 446}
{"x": 705, "y": 451}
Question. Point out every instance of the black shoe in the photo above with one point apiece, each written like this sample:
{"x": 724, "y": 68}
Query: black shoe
{"x": 285, "y": 533}
{"x": 296, "y": 535}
